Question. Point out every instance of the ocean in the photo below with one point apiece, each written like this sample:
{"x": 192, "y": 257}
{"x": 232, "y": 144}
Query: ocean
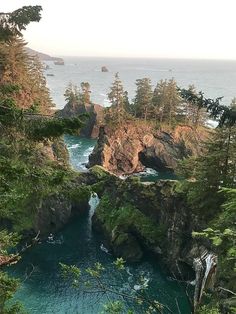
{"x": 43, "y": 290}
{"x": 216, "y": 78}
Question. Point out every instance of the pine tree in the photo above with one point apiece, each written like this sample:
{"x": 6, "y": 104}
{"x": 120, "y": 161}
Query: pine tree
{"x": 194, "y": 114}
{"x": 143, "y": 98}
{"x": 159, "y": 100}
{"x": 72, "y": 94}
{"x": 12, "y": 24}
{"x": 214, "y": 170}
{"x": 18, "y": 68}
{"x": 117, "y": 98}
{"x": 166, "y": 101}
{"x": 85, "y": 87}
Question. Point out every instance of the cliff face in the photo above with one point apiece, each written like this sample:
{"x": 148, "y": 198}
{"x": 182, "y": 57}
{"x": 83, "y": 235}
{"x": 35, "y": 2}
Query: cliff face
{"x": 93, "y": 122}
{"x": 137, "y": 217}
{"x": 132, "y": 146}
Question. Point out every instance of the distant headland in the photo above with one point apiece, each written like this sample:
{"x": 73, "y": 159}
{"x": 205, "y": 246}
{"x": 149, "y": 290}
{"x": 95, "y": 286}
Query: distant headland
{"x": 44, "y": 57}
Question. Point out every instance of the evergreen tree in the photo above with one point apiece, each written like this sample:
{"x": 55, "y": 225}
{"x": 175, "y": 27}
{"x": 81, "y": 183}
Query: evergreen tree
{"x": 159, "y": 100}
{"x": 194, "y": 113}
{"x": 26, "y": 72}
{"x": 166, "y": 101}
{"x": 72, "y": 94}
{"x": 85, "y": 87}
{"x": 143, "y": 98}
{"x": 12, "y": 24}
{"x": 212, "y": 171}
{"x": 127, "y": 105}
{"x": 117, "y": 98}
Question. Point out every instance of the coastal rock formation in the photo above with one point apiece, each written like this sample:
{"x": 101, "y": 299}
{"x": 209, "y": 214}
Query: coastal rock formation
{"x": 92, "y": 123}
{"x": 42, "y": 56}
{"x": 135, "y": 145}
{"x": 54, "y": 211}
{"x": 136, "y": 217}
{"x": 104, "y": 69}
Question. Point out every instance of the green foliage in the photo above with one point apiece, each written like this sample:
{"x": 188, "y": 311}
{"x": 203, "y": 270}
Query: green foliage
{"x": 52, "y": 128}
{"x": 78, "y": 97}
{"x": 205, "y": 309}
{"x": 211, "y": 171}
{"x": 8, "y": 286}
{"x": 7, "y": 240}
{"x": 119, "y": 102}
{"x": 222, "y": 234}
{"x": 166, "y": 101}
{"x": 127, "y": 217}
{"x": 143, "y": 98}
{"x": 119, "y": 263}
{"x": 226, "y": 115}
{"x": 11, "y": 24}
{"x": 113, "y": 307}
{"x": 94, "y": 281}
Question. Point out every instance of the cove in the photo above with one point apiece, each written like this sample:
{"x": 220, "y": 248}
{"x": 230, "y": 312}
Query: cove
{"x": 44, "y": 290}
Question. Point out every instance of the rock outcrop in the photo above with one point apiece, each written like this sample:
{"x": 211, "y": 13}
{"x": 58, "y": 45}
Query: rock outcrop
{"x": 135, "y": 218}
{"x": 54, "y": 211}
{"x": 134, "y": 145}
{"x": 92, "y": 123}
{"x": 104, "y": 68}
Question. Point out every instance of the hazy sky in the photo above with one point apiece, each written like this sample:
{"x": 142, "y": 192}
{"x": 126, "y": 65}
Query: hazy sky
{"x": 133, "y": 28}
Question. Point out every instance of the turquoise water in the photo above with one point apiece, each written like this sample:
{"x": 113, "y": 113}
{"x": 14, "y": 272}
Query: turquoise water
{"x": 79, "y": 149}
{"x": 45, "y": 291}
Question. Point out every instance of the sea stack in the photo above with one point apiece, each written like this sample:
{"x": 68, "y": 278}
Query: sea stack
{"x": 104, "y": 69}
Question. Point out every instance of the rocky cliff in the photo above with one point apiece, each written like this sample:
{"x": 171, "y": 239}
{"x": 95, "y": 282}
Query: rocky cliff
{"x": 93, "y": 121}
{"x": 134, "y": 145}
{"x": 137, "y": 217}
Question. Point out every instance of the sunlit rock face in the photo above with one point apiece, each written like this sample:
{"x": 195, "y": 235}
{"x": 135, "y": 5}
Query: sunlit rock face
{"x": 91, "y": 123}
{"x": 133, "y": 146}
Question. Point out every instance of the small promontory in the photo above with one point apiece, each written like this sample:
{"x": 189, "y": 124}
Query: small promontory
{"x": 134, "y": 145}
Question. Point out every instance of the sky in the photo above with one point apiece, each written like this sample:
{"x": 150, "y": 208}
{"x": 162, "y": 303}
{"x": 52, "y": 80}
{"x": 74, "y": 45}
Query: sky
{"x": 202, "y": 29}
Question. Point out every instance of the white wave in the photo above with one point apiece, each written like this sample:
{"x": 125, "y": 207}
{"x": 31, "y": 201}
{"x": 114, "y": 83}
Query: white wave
{"x": 151, "y": 171}
{"x": 146, "y": 172}
{"x": 88, "y": 151}
{"x": 82, "y": 166}
{"x": 74, "y": 146}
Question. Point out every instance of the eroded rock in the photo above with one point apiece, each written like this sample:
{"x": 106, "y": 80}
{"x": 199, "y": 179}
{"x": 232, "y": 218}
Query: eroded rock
{"x": 135, "y": 145}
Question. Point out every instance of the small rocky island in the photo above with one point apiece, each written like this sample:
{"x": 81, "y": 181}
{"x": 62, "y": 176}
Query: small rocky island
{"x": 104, "y": 69}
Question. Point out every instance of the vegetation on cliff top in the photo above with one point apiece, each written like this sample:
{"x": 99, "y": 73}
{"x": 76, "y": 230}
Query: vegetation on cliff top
{"x": 27, "y": 174}
{"x": 30, "y": 166}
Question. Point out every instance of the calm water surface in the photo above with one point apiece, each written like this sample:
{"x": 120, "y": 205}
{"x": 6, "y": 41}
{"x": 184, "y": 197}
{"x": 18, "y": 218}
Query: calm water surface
{"x": 214, "y": 78}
